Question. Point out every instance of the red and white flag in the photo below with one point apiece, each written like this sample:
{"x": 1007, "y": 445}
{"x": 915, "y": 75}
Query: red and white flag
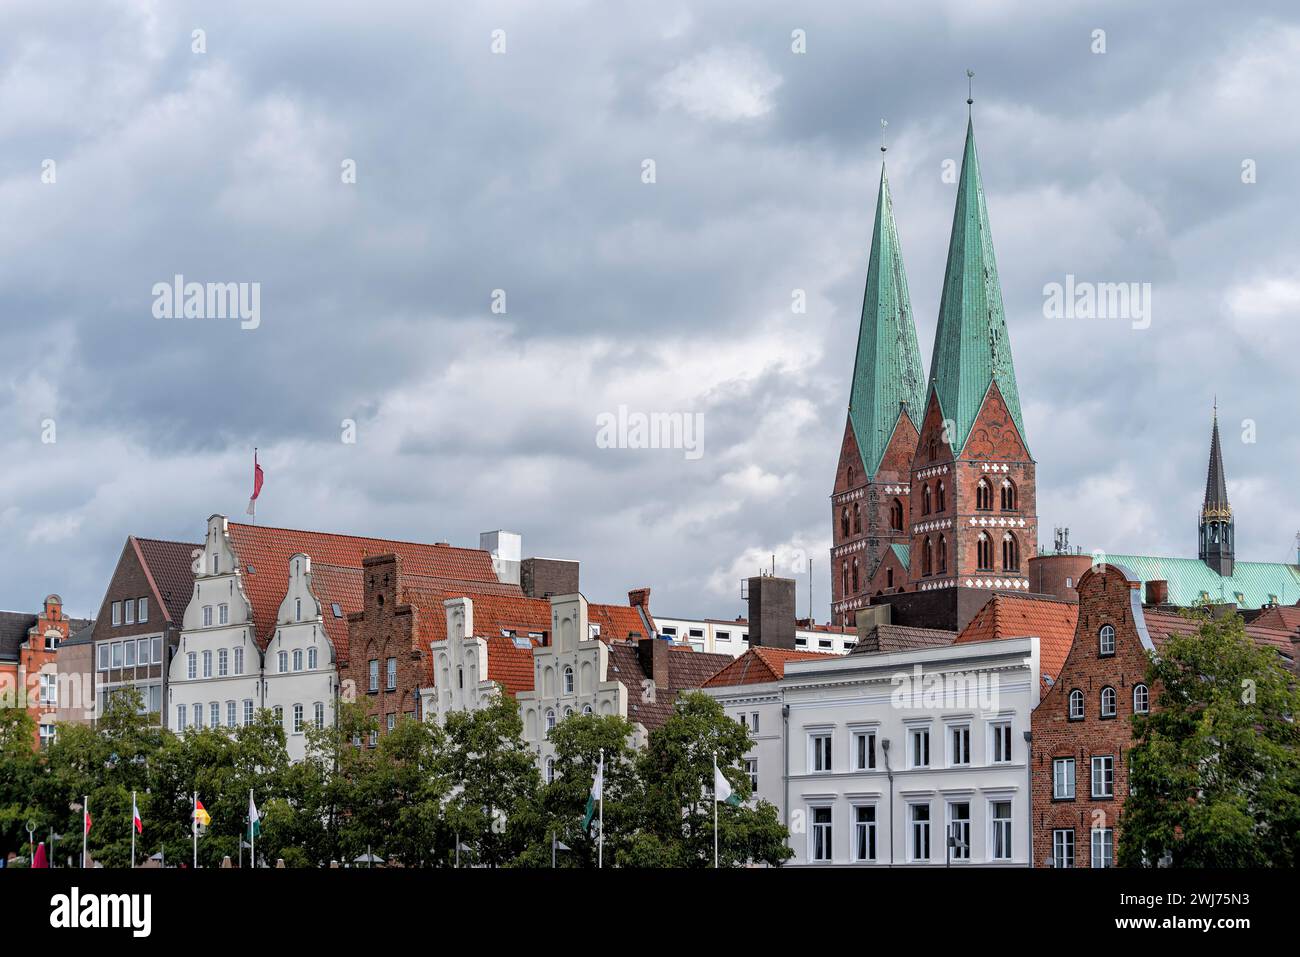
{"x": 88, "y": 822}
{"x": 135, "y": 816}
{"x": 257, "y": 485}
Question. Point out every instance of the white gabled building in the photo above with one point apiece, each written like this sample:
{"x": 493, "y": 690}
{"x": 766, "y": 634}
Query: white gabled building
{"x": 215, "y": 676}
{"x": 731, "y": 636}
{"x": 300, "y": 677}
{"x": 891, "y": 753}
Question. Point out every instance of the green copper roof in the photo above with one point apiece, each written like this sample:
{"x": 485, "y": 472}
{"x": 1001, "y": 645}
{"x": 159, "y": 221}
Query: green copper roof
{"x": 1191, "y": 581}
{"x": 971, "y": 348}
{"x": 887, "y": 375}
{"x": 903, "y": 554}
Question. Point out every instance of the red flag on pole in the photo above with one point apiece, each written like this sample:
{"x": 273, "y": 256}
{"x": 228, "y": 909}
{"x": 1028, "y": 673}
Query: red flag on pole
{"x": 88, "y": 822}
{"x": 257, "y": 485}
{"x": 135, "y": 816}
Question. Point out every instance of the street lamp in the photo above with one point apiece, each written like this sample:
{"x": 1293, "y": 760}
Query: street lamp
{"x": 31, "y": 839}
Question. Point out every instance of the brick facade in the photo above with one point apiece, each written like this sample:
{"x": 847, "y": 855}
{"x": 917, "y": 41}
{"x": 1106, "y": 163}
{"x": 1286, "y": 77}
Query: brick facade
{"x": 386, "y": 628}
{"x": 1107, "y": 597}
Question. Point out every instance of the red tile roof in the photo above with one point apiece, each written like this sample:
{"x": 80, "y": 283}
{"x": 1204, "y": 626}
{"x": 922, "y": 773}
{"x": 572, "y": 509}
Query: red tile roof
{"x": 169, "y": 565}
{"x": 1015, "y": 616}
{"x": 617, "y": 622}
{"x": 759, "y": 666}
{"x": 685, "y": 672}
{"x": 1280, "y": 617}
{"x": 1161, "y": 624}
{"x": 885, "y": 639}
{"x": 268, "y": 551}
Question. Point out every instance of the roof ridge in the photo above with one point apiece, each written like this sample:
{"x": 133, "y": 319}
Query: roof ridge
{"x": 373, "y": 538}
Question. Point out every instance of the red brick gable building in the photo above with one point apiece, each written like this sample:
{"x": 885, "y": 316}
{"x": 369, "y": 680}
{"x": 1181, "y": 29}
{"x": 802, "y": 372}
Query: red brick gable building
{"x": 29, "y": 646}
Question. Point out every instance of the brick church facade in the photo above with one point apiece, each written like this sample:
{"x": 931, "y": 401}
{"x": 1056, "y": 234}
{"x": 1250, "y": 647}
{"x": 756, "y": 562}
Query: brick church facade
{"x": 933, "y": 505}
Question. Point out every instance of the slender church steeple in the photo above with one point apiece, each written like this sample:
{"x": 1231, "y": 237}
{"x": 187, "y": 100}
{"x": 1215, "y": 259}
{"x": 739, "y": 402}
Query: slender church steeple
{"x": 1217, "y": 534}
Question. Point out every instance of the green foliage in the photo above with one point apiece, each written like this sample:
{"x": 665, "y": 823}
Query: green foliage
{"x": 1215, "y": 768}
{"x": 410, "y": 799}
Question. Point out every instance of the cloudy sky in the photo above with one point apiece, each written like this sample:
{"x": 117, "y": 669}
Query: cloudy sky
{"x": 524, "y": 171}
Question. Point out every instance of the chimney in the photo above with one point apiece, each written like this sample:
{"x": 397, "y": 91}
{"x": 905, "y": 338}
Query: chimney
{"x": 639, "y": 597}
{"x": 544, "y": 577}
{"x": 771, "y": 611}
{"x": 653, "y": 653}
{"x": 506, "y": 549}
{"x": 1158, "y": 592}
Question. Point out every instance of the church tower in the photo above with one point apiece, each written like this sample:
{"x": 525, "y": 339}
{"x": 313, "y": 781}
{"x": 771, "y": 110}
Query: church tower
{"x": 870, "y": 500}
{"x": 973, "y": 517}
{"x": 1217, "y": 539}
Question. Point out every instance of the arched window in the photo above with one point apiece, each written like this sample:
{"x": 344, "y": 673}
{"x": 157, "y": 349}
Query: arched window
{"x": 984, "y": 552}
{"x": 855, "y": 576}
{"x": 1010, "y": 553}
{"x": 1141, "y": 699}
{"x": 844, "y": 522}
{"x": 550, "y": 720}
{"x": 934, "y": 450}
{"x": 844, "y": 578}
{"x": 940, "y": 497}
{"x": 568, "y": 680}
{"x": 1108, "y": 702}
{"x": 1076, "y": 705}
{"x": 925, "y": 499}
{"x": 852, "y": 477}
{"x": 926, "y": 567}
{"x": 297, "y": 659}
{"x": 896, "y": 515}
{"x": 857, "y": 518}
{"x": 889, "y": 578}
{"x": 943, "y": 555}
{"x": 586, "y": 709}
{"x": 318, "y": 713}
{"x": 984, "y": 495}
{"x": 1106, "y": 641}
{"x": 1008, "y": 495}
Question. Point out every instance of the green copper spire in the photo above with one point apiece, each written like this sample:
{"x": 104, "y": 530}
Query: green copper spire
{"x": 971, "y": 348}
{"x": 887, "y": 375}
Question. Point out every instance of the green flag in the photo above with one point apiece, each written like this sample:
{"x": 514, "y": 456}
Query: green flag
{"x": 593, "y": 799}
{"x": 722, "y": 788}
{"x": 254, "y": 819}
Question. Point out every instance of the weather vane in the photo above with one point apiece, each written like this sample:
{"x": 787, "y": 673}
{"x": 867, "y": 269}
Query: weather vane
{"x": 883, "y": 124}
{"x": 970, "y": 87}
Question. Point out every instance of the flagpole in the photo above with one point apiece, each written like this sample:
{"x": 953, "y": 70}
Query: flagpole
{"x": 85, "y": 816}
{"x": 194, "y": 828}
{"x": 252, "y": 838}
{"x": 715, "y": 810}
{"x": 600, "y": 852}
{"x": 133, "y": 813}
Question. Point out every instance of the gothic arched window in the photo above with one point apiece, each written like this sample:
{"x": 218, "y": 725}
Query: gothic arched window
{"x": 855, "y": 575}
{"x": 844, "y": 522}
{"x": 896, "y": 515}
{"x": 1010, "y": 553}
{"x": 943, "y": 554}
{"x": 940, "y": 499}
{"x": 926, "y": 566}
{"x": 857, "y": 518}
{"x": 984, "y": 552}
{"x": 1008, "y": 495}
{"x": 925, "y": 499}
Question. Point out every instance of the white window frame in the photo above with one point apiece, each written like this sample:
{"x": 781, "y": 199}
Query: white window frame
{"x": 1103, "y": 839}
{"x": 297, "y": 719}
{"x": 117, "y": 613}
{"x": 182, "y": 716}
{"x": 567, "y": 679}
{"x": 142, "y": 610}
{"x": 128, "y": 609}
{"x": 1106, "y": 641}
{"x": 957, "y": 853}
{"x": 864, "y": 759}
{"x": 282, "y": 662}
{"x": 248, "y": 711}
{"x": 223, "y": 662}
{"x": 373, "y": 675}
{"x": 239, "y": 660}
{"x": 297, "y": 659}
{"x": 821, "y": 751}
{"x": 318, "y": 714}
{"x": 223, "y": 614}
{"x": 192, "y": 665}
{"x": 923, "y": 733}
{"x": 207, "y": 664}
{"x": 207, "y": 616}
{"x": 1060, "y": 845}
{"x": 390, "y": 675}
{"x": 1002, "y": 831}
{"x": 1106, "y": 762}
{"x": 311, "y": 659}
{"x": 815, "y": 831}
{"x": 1145, "y": 706}
{"x": 231, "y": 714}
{"x": 1001, "y": 744}
{"x": 912, "y": 832}
{"x": 214, "y": 714}
{"x": 871, "y": 829}
{"x": 958, "y": 741}
{"x": 104, "y": 651}
{"x": 1063, "y": 768}
{"x": 751, "y": 769}
{"x": 1076, "y": 695}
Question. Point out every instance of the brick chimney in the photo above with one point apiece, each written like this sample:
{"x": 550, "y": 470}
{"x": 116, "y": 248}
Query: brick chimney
{"x": 653, "y": 653}
{"x": 1157, "y": 592}
{"x": 771, "y": 611}
{"x": 638, "y": 597}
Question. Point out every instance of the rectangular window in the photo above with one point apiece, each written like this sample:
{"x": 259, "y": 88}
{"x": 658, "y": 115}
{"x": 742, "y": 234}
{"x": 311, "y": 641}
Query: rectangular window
{"x": 49, "y": 694}
{"x": 1063, "y": 779}
{"x": 223, "y": 614}
{"x": 1103, "y": 847}
{"x": 374, "y": 674}
{"x": 920, "y": 748}
{"x": 959, "y": 754}
{"x": 142, "y": 610}
{"x": 722, "y": 635}
{"x": 191, "y": 666}
{"x": 864, "y": 751}
{"x": 128, "y": 654}
{"x": 155, "y": 699}
{"x": 392, "y": 674}
{"x": 297, "y": 719}
{"x": 821, "y": 752}
{"x": 117, "y": 613}
{"x": 391, "y": 720}
{"x": 180, "y": 717}
{"x": 214, "y": 713}
{"x": 1001, "y": 843}
{"x": 207, "y": 616}
{"x": 821, "y": 834}
{"x": 319, "y": 714}
{"x": 117, "y": 654}
{"x": 1063, "y": 847}
{"x": 230, "y": 714}
{"x": 129, "y": 608}
{"x": 142, "y": 651}
{"x": 959, "y": 830}
{"x": 1001, "y": 742}
{"x": 223, "y": 662}
{"x": 751, "y": 768}
{"x": 248, "y": 711}
{"x": 864, "y": 833}
{"x": 239, "y": 661}
{"x": 1103, "y": 777}
{"x": 207, "y": 664}
{"x": 47, "y": 732}
{"x": 198, "y": 715}
{"x": 753, "y": 722}
{"x": 156, "y": 649}
{"x": 103, "y": 657}
{"x": 919, "y": 846}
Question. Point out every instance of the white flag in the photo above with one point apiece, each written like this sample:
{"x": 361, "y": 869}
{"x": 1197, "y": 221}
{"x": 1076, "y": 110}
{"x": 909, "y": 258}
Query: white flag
{"x": 722, "y": 787}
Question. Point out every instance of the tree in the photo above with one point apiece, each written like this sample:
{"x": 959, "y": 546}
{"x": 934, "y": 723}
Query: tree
{"x": 1215, "y": 768}
{"x": 493, "y": 782}
{"x": 578, "y": 741}
{"x": 18, "y": 771}
{"x": 677, "y": 768}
